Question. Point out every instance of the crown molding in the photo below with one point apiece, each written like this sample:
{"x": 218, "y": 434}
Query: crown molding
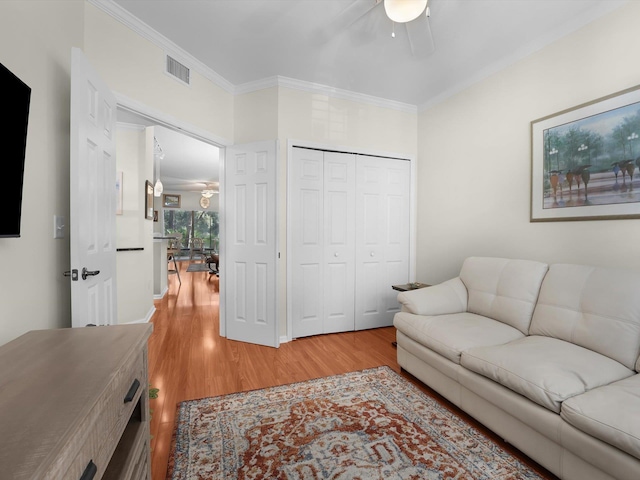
{"x": 162, "y": 42}
{"x": 317, "y": 88}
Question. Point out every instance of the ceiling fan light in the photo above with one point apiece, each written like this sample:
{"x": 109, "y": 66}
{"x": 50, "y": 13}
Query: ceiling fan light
{"x": 208, "y": 193}
{"x": 403, "y": 11}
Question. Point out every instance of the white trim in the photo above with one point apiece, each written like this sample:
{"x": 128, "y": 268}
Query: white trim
{"x": 145, "y": 31}
{"x": 160, "y": 296}
{"x": 413, "y": 209}
{"x": 284, "y": 339}
{"x": 146, "y": 319}
{"x": 222, "y": 230}
{"x": 130, "y": 126}
{"x": 317, "y": 88}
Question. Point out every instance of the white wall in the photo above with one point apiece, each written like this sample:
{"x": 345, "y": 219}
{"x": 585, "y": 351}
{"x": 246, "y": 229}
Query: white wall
{"x": 35, "y": 43}
{"x": 134, "y": 67}
{"x": 133, "y": 230}
{"x": 475, "y": 158}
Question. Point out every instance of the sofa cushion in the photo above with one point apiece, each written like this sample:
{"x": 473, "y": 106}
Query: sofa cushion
{"x": 449, "y": 335}
{"x": 545, "y": 370}
{"x": 596, "y": 308}
{"x": 446, "y": 297}
{"x": 610, "y": 413}
{"x": 502, "y": 289}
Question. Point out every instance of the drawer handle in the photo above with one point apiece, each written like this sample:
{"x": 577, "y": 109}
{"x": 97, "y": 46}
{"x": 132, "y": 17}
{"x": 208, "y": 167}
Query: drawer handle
{"x": 132, "y": 391}
{"x": 90, "y": 471}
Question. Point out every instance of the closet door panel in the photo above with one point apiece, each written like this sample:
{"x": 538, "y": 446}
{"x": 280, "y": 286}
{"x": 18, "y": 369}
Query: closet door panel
{"x": 398, "y": 174}
{"x": 307, "y": 227}
{"x": 339, "y": 246}
{"x": 382, "y": 238}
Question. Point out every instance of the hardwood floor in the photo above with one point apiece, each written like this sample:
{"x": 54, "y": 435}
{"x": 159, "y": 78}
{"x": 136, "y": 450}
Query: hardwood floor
{"x": 188, "y": 359}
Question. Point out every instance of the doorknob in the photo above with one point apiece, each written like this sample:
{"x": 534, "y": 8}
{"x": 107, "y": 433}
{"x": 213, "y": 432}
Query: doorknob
{"x": 336, "y": 254}
{"x": 89, "y": 273}
{"x": 372, "y": 254}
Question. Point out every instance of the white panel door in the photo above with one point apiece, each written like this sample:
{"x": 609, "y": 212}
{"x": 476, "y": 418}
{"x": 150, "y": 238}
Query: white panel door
{"x": 92, "y": 196}
{"x": 382, "y": 238}
{"x": 323, "y": 242}
{"x": 307, "y": 237}
{"x": 249, "y": 278}
{"x": 339, "y": 241}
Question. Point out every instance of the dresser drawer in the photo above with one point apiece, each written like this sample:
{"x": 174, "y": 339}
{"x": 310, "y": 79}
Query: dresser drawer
{"x": 108, "y": 420}
{"x": 125, "y": 392}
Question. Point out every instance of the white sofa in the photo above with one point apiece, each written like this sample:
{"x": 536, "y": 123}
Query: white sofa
{"x": 545, "y": 356}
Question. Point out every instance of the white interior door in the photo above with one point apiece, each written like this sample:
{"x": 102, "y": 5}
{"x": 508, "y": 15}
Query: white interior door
{"x": 339, "y": 241}
{"x": 92, "y": 196}
{"x": 307, "y": 238}
{"x": 249, "y": 276}
{"x": 382, "y": 238}
{"x": 323, "y": 241}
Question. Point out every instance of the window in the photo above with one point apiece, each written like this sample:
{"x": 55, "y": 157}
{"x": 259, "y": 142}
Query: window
{"x": 190, "y": 224}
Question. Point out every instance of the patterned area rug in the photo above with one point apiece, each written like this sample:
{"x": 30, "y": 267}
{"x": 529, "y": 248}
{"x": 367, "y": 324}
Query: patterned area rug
{"x": 371, "y": 424}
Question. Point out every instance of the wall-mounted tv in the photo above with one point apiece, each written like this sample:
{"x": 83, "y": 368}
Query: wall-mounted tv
{"x": 15, "y": 97}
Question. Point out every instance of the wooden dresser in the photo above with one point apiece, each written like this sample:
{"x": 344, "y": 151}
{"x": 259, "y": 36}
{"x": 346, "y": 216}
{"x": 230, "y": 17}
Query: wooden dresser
{"x": 74, "y": 404}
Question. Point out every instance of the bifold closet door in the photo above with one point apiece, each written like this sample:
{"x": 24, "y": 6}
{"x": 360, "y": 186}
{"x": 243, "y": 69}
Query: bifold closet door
{"x": 322, "y": 196}
{"x": 382, "y": 238}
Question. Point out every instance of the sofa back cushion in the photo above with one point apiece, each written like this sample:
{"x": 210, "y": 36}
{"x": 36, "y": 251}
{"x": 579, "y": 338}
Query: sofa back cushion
{"x": 503, "y": 289}
{"x": 596, "y": 308}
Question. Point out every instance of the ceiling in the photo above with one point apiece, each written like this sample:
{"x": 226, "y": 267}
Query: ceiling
{"x": 346, "y": 45}
{"x": 188, "y": 164}
{"x": 314, "y": 41}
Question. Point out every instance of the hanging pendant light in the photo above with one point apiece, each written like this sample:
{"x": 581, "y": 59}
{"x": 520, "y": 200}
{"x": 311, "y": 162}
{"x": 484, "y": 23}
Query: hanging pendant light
{"x": 158, "y": 155}
{"x": 403, "y": 11}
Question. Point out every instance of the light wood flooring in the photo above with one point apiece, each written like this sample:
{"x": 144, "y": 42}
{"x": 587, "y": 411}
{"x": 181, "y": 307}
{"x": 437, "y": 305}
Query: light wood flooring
{"x": 188, "y": 359}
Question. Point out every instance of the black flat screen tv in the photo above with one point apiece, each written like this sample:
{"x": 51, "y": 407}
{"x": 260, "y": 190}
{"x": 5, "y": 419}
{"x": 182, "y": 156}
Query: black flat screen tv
{"x": 15, "y": 97}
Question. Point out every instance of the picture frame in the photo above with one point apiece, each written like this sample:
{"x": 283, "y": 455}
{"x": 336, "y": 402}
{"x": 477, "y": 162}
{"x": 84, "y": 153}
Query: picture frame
{"x": 170, "y": 200}
{"x": 585, "y": 161}
{"x": 148, "y": 201}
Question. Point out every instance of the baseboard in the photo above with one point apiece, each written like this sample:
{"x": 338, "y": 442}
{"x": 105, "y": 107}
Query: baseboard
{"x": 146, "y": 319}
{"x": 284, "y": 339}
{"x": 161, "y": 295}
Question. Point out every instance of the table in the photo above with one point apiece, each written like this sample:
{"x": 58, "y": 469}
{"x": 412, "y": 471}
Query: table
{"x": 409, "y": 286}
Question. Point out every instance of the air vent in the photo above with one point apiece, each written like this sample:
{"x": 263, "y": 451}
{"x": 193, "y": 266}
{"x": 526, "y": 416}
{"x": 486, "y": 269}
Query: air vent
{"x": 178, "y": 70}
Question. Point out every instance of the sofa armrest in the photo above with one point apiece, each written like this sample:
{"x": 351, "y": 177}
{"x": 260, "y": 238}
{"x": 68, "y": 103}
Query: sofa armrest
{"x": 441, "y": 299}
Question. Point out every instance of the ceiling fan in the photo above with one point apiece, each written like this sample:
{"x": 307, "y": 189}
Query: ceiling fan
{"x": 410, "y": 16}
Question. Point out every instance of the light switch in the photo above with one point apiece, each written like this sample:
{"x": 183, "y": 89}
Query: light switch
{"x": 58, "y": 226}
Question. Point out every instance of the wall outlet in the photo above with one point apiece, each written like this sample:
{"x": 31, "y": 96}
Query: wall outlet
{"x": 58, "y": 226}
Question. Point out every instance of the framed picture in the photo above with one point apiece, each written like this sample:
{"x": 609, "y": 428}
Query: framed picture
{"x": 170, "y": 201}
{"x": 585, "y": 161}
{"x": 148, "y": 201}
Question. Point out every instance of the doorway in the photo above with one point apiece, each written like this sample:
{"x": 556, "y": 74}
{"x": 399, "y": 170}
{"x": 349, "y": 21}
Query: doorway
{"x": 190, "y": 164}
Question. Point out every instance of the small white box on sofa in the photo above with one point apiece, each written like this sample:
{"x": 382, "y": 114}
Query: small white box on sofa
{"x": 547, "y": 357}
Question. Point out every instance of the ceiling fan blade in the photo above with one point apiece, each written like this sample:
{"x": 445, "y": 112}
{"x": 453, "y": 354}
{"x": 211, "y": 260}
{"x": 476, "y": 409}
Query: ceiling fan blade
{"x": 351, "y": 14}
{"x": 420, "y": 37}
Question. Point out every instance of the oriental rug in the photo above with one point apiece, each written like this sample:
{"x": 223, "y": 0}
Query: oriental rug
{"x": 371, "y": 424}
